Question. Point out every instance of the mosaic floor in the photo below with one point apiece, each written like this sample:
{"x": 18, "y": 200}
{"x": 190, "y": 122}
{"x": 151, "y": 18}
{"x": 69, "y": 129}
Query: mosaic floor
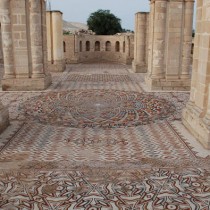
{"x": 96, "y": 140}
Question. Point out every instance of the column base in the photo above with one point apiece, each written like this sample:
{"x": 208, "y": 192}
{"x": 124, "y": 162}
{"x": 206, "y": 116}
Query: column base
{"x": 4, "y": 118}
{"x": 26, "y": 84}
{"x": 57, "y": 66}
{"x": 163, "y": 84}
{"x": 199, "y": 127}
{"x": 138, "y": 68}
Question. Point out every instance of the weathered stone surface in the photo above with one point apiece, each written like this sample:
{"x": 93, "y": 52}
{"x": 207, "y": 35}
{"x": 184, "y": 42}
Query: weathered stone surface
{"x": 196, "y": 115}
{"x": 4, "y": 117}
{"x": 140, "y": 62}
{"x": 55, "y": 41}
{"x": 92, "y": 48}
{"x": 23, "y": 46}
{"x": 170, "y": 41}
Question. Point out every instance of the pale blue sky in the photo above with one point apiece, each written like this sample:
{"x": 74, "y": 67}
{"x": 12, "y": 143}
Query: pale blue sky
{"x": 79, "y": 10}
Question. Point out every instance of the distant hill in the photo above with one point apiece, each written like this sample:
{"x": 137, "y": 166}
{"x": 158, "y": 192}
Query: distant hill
{"x": 73, "y": 26}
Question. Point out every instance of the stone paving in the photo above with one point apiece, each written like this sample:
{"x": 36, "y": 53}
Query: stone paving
{"x": 97, "y": 140}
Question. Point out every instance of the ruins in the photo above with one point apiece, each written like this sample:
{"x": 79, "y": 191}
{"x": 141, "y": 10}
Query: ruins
{"x": 161, "y": 47}
{"x": 56, "y": 61}
{"x": 105, "y": 121}
{"x": 196, "y": 114}
{"x": 170, "y": 43}
{"x": 140, "y": 62}
{"x": 23, "y": 31}
{"x": 99, "y": 48}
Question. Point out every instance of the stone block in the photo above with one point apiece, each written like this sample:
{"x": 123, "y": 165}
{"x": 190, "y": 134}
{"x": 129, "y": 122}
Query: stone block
{"x": 26, "y": 84}
{"x": 4, "y": 118}
{"x": 196, "y": 125}
{"x": 57, "y": 66}
{"x": 139, "y": 68}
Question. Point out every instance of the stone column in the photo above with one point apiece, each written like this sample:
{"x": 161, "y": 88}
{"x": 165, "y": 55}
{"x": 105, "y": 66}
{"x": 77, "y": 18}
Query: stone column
{"x": 170, "y": 38}
{"x": 35, "y": 11}
{"x": 187, "y": 39}
{"x": 24, "y": 45}
{"x": 56, "y": 61}
{"x": 196, "y": 115}
{"x": 1, "y": 52}
{"x": 44, "y": 40}
{"x": 150, "y": 38}
{"x": 7, "y": 43}
{"x": 158, "y": 68}
{"x": 140, "y": 42}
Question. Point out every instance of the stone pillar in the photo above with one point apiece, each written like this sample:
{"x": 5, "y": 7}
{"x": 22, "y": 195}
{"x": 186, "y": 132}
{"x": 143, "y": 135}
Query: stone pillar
{"x": 35, "y": 16}
{"x": 1, "y": 52}
{"x": 170, "y": 38}
{"x": 129, "y": 48}
{"x": 140, "y": 42}
{"x": 23, "y": 45}
{"x": 56, "y": 61}
{"x": 150, "y": 38}
{"x": 159, "y": 37}
{"x": 196, "y": 115}
{"x": 7, "y": 42}
{"x": 187, "y": 42}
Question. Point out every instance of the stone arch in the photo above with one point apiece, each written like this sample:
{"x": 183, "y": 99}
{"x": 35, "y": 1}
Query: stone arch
{"x": 97, "y": 46}
{"x": 108, "y": 46}
{"x": 117, "y": 46}
{"x": 87, "y": 45}
{"x": 80, "y": 46}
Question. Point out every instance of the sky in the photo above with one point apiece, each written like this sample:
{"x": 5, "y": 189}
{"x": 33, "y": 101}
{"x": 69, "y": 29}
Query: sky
{"x": 79, "y": 10}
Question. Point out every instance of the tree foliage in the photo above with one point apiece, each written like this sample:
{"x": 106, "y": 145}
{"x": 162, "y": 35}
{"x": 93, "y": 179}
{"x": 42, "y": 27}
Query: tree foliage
{"x": 102, "y": 22}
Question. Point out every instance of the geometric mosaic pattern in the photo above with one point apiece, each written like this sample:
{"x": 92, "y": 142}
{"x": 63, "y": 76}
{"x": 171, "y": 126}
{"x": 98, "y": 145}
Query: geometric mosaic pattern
{"x": 98, "y": 78}
{"x": 35, "y": 141}
{"x": 105, "y": 189}
{"x": 14, "y": 101}
{"x": 97, "y": 108}
{"x": 93, "y": 140}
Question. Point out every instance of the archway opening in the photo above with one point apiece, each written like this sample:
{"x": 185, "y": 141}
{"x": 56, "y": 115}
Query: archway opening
{"x": 97, "y": 46}
{"x": 108, "y": 46}
{"x": 117, "y": 46}
{"x": 80, "y": 46}
{"x": 87, "y": 45}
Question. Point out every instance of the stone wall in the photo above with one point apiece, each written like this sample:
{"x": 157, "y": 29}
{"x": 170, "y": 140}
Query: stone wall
{"x": 196, "y": 116}
{"x": 69, "y": 46}
{"x": 141, "y": 38}
{"x": 93, "y": 48}
{"x": 56, "y": 62}
{"x": 23, "y": 30}
{"x": 1, "y": 52}
{"x": 170, "y": 41}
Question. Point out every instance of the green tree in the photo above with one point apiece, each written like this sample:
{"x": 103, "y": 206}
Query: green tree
{"x": 102, "y": 22}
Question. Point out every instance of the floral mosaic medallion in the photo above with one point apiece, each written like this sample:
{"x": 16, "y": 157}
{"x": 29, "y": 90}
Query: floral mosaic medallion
{"x": 97, "y": 108}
